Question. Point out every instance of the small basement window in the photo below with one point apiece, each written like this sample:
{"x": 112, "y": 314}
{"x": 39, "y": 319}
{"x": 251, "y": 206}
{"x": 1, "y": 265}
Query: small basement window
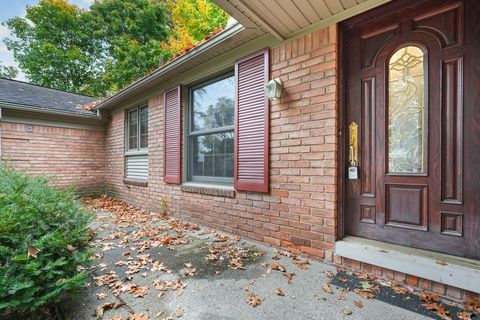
{"x": 211, "y": 131}
{"x": 136, "y": 154}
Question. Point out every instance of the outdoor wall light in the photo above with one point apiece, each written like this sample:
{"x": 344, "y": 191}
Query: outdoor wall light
{"x": 273, "y": 89}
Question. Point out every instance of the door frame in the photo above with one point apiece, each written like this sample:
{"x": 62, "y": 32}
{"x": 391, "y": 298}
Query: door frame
{"x": 342, "y": 27}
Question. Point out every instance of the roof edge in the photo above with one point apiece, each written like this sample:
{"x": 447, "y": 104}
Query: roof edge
{"x": 45, "y": 87}
{"x": 202, "y": 47}
{"x": 23, "y": 107}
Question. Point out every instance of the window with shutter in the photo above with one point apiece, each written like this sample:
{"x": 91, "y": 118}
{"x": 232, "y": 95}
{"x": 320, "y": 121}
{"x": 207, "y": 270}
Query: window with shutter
{"x": 172, "y": 136}
{"x": 252, "y": 123}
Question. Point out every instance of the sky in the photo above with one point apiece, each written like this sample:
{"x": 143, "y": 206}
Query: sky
{"x": 14, "y": 8}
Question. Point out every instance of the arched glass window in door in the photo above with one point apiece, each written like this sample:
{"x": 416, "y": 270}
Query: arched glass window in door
{"x": 406, "y": 111}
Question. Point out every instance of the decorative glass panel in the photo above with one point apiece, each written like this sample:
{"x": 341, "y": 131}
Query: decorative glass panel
{"x": 406, "y": 111}
{"x": 213, "y": 155}
{"x": 143, "y": 127}
{"x": 133, "y": 129}
{"x": 213, "y": 105}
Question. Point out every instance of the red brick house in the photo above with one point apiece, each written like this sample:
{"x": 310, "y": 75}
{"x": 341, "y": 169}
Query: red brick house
{"x": 369, "y": 157}
{"x": 46, "y": 131}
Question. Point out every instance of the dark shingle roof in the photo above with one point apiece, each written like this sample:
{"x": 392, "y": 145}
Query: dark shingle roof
{"x": 41, "y": 98}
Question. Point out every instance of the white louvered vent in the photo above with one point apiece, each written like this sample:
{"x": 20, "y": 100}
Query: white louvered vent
{"x": 137, "y": 167}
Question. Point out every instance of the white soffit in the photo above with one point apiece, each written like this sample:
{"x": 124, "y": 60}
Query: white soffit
{"x": 288, "y": 18}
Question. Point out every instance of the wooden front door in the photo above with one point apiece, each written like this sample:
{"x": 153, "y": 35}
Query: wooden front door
{"x": 412, "y": 84}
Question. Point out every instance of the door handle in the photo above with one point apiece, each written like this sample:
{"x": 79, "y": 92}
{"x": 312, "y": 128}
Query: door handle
{"x": 353, "y": 141}
{"x": 353, "y": 151}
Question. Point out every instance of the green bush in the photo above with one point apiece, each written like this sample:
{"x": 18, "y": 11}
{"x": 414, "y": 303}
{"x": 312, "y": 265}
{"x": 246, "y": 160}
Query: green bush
{"x": 44, "y": 242}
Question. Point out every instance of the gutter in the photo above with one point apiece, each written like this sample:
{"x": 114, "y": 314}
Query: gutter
{"x": 201, "y": 48}
{"x": 22, "y": 107}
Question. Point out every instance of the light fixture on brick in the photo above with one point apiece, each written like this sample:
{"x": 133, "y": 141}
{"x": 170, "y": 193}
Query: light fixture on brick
{"x": 273, "y": 89}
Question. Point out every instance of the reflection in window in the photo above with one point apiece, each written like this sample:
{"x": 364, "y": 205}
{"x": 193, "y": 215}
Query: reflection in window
{"x": 213, "y": 155}
{"x": 406, "y": 111}
{"x": 211, "y": 133}
{"x": 133, "y": 130}
{"x": 137, "y": 130}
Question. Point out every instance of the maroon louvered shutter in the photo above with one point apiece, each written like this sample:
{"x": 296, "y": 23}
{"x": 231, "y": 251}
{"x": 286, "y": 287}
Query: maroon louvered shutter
{"x": 251, "y": 123}
{"x": 172, "y": 115}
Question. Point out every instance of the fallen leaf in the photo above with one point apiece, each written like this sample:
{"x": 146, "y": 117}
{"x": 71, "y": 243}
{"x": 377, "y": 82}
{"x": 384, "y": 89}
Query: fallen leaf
{"x": 253, "y": 300}
{"x": 136, "y": 316}
{"x": 398, "y": 289}
{"x": 364, "y": 293}
{"x": 289, "y": 276}
{"x": 116, "y": 317}
{"x": 276, "y": 257}
{"x": 303, "y": 265}
{"x": 441, "y": 262}
{"x": 279, "y": 267}
{"x": 101, "y": 309}
{"x": 180, "y": 312}
{"x": 343, "y": 279}
{"x": 358, "y": 303}
{"x": 71, "y": 248}
{"x": 279, "y": 292}
{"x": 32, "y": 251}
{"x": 102, "y": 295}
{"x": 429, "y": 297}
{"x": 347, "y": 311}
{"x": 326, "y": 288}
{"x": 472, "y": 305}
{"x": 464, "y": 315}
{"x": 329, "y": 274}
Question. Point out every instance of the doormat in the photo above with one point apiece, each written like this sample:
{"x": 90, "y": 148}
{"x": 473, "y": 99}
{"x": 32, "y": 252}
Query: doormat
{"x": 407, "y": 300}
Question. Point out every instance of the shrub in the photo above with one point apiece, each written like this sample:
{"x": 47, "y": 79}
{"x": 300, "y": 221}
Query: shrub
{"x": 44, "y": 242}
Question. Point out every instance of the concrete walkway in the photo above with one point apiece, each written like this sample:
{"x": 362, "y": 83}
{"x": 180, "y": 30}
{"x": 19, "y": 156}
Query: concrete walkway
{"x": 165, "y": 269}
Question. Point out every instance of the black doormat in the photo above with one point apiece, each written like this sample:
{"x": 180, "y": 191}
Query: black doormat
{"x": 407, "y": 301}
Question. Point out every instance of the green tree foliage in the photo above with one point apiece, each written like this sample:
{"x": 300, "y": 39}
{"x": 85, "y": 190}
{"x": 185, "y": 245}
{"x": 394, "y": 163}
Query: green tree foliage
{"x": 132, "y": 32}
{"x": 8, "y": 71}
{"x": 192, "y": 20}
{"x": 56, "y": 47}
{"x": 44, "y": 240}
{"x": 100, "y": 50}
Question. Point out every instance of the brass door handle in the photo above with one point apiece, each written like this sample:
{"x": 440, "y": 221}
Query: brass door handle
{"x": 353, "y": 141}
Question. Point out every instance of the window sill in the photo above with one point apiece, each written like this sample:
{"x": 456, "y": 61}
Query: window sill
{"x": 137, "y": 183}
{"x": 136, "y": 153}
{"x": 208, "y": 189}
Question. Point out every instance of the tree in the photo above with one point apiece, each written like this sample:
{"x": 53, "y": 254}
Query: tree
{"x": 100, "y": 50}
{"x": 55, "y": 47}
{"x": 191, "y": 21}
{"x": 8, "y": 71}
{"x": 132, "y": 32}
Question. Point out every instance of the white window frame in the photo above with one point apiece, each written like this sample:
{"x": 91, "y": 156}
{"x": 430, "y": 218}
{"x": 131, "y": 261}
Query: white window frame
{"x": 138, "y": 150}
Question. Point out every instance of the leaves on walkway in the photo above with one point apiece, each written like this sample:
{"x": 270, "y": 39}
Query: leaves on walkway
{"x": 253, "y": 300}
{"x": 279, "y": 292}
{"x": 326, "y": 288}
{"x": 180, "y": 312}
{"x": 358, "y": 303}
{"x": 101, "y": 309}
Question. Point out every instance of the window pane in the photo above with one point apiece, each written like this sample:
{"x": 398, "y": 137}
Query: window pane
{"x": 213, "y": 105}
{"x": 406, "y": 127}
{"x": 213, "y": 155}
{"x": 132, "y": 129}
{"x": 143, "y": 127}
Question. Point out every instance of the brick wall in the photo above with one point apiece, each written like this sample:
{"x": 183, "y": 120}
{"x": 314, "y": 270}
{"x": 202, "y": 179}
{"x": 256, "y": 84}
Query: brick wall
{"x": 300, "y": 210}
{"x": 67, "y": 156}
